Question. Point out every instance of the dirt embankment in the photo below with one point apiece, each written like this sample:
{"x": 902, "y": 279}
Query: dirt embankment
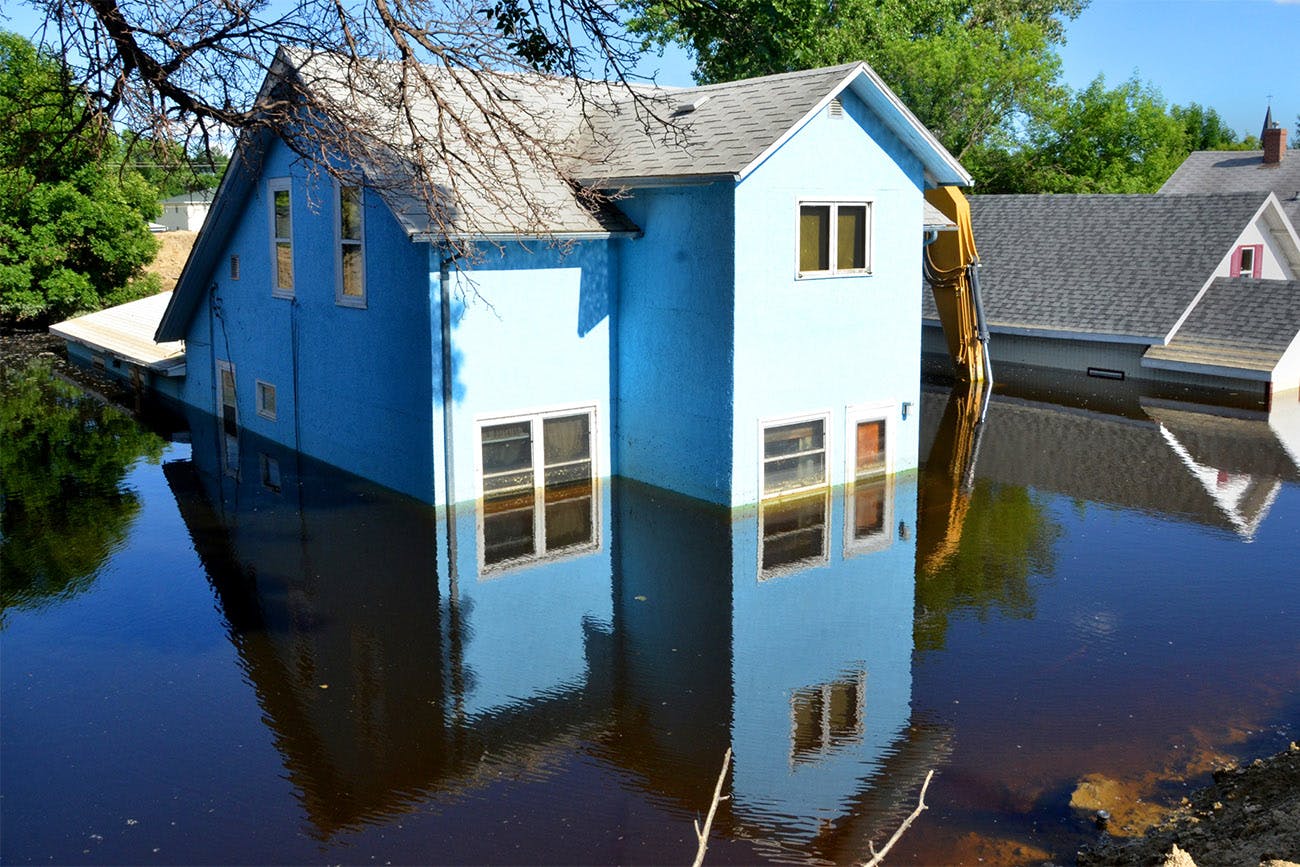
{"x": 1250, "y": 815}
{"x": 174, "y": 250}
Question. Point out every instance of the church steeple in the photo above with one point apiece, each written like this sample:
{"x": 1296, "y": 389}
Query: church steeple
{"x": 1268, "y": 122}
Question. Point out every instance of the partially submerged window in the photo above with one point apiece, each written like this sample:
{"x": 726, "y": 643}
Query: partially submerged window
{"x": 281, "y": 237}
{"x": 229, "y": 415}
{"x": 266, "y": 400}
{"x": 827, "y": 716}
{"x": 795, "y": 502}
{"x": 869, "y": 484}
{"x": 352, "y": 260}
{"x": 834, "y": 238}
{"x": 538, "y": 483}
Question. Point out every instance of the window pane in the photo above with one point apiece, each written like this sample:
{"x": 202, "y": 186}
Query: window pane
{"x": 352, "y": 276}
{"x": 508, "y": 447}
{"x": 568, "y": 521}
{"x": 282, "y": 229}
{"x": 871, "y": 446}
{"x": 869, "y": 508}
{"x": 794, "y": 531}
{"x": 266, "y": 395}
{"x": 851, "y": 240}
{"x": 566, "y": 439}
{"x": 789, "y": 473}
{"x": 227, "y": 387}
{"x": 350, "y": 213}
{"x": 508, "y": 527}
{"x": 814, "y": 238}
{"x": 283, "y": 265}
{"x": 789, "y": 439}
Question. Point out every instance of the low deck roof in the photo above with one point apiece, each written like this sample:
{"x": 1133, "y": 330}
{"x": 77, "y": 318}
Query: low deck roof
{"x": 127, "y": 332}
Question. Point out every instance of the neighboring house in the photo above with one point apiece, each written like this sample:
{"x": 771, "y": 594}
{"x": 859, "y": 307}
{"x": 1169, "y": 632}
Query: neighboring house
{"x": 119, "y": 341}
{"x": 186, "y": 211}
{"x": 1261, "y": 171}
{"x": 742, "y": 324}
{"x": 1191, "y": 291}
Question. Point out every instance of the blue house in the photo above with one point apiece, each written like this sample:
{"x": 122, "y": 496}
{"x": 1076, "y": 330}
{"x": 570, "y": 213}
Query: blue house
{"x": 739, "y": 321}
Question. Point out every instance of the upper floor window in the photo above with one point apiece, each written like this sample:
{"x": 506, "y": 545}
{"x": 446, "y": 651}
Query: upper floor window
{"x": 281, "y": 237}
{"x": 538, "y": 483}
{"x": 834, "y": 238}
{"x": 1248, "y": 260}
{"x": 352, "y": 260}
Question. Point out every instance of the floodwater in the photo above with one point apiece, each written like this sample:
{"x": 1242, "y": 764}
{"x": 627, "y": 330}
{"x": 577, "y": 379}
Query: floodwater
{"x": 220, "y": 652}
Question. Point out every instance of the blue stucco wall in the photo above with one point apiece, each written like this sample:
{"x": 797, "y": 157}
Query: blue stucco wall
{"x": 807, "y": 346}
{"x": 850, "y": 614}
{"x": 363, "y": 401}
{"x": 530, "y": 331}
{"x": 674, "y": 341}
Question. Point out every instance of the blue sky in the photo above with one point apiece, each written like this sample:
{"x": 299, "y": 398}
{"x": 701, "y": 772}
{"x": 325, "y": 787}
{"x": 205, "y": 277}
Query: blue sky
{"x": 1227, "y": 54}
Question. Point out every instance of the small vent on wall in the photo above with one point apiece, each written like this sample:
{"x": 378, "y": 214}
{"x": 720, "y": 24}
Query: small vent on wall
{"x": 837, "y": 108}
{"x": 234, "y": 267}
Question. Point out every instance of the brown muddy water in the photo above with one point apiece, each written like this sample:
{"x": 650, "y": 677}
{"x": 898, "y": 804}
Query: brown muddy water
{"x": 217, "y": 655}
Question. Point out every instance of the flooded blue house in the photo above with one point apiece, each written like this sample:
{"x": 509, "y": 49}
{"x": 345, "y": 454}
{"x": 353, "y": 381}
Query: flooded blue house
{"x": 737, "y": 321}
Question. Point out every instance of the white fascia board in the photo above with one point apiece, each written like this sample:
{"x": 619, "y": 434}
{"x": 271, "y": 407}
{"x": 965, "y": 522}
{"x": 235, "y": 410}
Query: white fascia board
{"x": 1088, "y": 336}
{"x": 1210, "y": 369}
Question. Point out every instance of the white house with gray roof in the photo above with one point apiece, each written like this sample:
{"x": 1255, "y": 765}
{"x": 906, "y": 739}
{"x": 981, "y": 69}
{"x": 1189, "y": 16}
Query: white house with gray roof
{"x": 1183, "y": 290}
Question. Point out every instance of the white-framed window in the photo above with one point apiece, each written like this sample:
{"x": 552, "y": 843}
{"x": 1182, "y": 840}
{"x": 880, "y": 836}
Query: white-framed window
{"x": 281, "y": 236}
{"x": 869, "y": 477}
{"x": 265, "y": 400}
{"x": 350, "y": 290}
{"x": 794, "y": 502}
{"x": 827, "y": 716}
{"x": 538, "y": 496}
{"x": 1247, "y": 260}
{"x": 834, "y": 238}
{"x": 228, "y": 411}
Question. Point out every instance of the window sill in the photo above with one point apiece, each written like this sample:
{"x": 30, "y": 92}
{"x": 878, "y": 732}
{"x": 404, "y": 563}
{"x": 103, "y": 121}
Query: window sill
{"x": 354, "y": 303}
{"x": 827, "y": 275}
{"x": 285, "y": 294}
{"x": 269, "y": 416}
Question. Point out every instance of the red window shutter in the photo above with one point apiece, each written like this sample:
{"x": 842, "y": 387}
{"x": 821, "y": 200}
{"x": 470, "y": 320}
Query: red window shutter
{"x": 1259, "y": 261}
{"x": 1236, "y": 263}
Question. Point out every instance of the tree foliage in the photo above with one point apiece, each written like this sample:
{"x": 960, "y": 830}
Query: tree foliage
{"x": 63, "y": 455}
{"x": 73, "y": 221}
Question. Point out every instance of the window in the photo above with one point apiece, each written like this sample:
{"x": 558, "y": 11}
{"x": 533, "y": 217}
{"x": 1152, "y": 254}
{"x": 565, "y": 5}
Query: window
{"x": 229, "y": 414}
{"x": 834, "y": 238}
{"x": 1248, "y": 261}
{"x": 281, "y": 238}
{"x": 266, "y": 400}
{"x": 270, "y": 468}
{"x": 869, "y": 484}
{"x": 827, "y": 716}
{"x": 538, "y": 483}
{"x": 795, "y": 502}
{"x": 352, "y": 261}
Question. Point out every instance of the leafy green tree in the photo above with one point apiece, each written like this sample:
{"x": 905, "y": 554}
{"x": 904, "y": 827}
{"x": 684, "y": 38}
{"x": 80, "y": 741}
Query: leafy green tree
{"x": 73, "y": 222}
{"x": 1098, "y": 140}
{"x": 969, "y": 69}
{"x": 171, "y": 169}
{"x": 1206, "y": 130}
{"x": 63, "y": 455}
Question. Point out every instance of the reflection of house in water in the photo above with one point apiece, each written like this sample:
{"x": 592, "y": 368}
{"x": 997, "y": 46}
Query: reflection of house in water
{"x": 646, "y": 628}
{"x": 1218, "y": 470}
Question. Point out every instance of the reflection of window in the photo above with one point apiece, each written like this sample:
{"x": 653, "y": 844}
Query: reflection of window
{"x": 270, "y": 468}
{"x": 793, "y": 533}
{"x": 281, "y": 237}
{"x": 265, "y": 400}
{"x": 538, "y": 484}
{"x": 868, "y": 492}
{"x": 352, "y": 263}
{"x": 834, "y": 238}
{"x": 827, "y": 716}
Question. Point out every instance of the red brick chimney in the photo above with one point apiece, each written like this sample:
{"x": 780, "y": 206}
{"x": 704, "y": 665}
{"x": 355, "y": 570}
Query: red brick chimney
{"x": 1274, "y": 144}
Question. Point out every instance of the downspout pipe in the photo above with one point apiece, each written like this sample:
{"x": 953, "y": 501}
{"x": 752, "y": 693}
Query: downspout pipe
{"x": 448, "y": 427}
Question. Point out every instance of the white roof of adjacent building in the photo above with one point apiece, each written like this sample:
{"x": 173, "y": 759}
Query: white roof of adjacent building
{"x": 127, "y": 331}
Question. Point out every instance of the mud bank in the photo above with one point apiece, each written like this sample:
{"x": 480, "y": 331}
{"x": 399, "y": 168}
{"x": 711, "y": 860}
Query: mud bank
{"x": 1249, "y": 815}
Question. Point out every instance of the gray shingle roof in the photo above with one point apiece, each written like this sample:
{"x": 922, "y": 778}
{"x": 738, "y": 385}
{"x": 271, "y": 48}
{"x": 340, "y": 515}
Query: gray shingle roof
{"x": 1240, "y": 172}
{"x": 1119, "y": 266}
{"x": 729, "y": 130}
{"x": 1240, "y": 323}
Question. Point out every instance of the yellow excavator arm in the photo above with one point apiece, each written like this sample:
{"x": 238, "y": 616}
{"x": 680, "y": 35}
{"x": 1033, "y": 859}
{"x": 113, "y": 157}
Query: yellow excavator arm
{"x": 952, "y": 270}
